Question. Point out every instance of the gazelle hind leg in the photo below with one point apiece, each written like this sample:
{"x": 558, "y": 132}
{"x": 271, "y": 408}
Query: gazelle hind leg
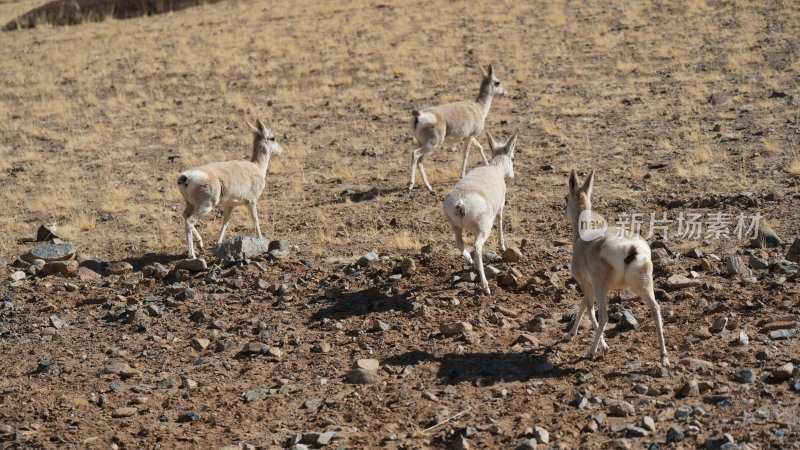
{"x": 602, "y": 307}
{"x": 480, "y": 240}
{"x": 582, "y": 306}
{"x": 466, "y": 155}
{"x": 480, "y": 147}
{"x": 459, "y": 232}
{"x": 414, "y": 158}
{"x": 649, "y": 298}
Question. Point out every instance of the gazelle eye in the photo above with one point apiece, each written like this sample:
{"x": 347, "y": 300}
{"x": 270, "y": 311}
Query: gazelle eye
{"x": 272, "y": 138}
{"x": 497, "y": 83}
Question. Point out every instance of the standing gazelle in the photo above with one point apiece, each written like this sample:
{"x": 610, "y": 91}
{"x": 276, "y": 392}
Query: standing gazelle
{"x": 453, "y": 123}
{"x": 227, "y": 184}
{"x": 601, "y": 262}
{"x": 477, "y": 199}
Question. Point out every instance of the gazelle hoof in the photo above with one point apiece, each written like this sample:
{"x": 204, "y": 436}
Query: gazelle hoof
{"x": 567, "y": 338}
{"x": 665, "y": 362}
{"x": 410, "y": 187}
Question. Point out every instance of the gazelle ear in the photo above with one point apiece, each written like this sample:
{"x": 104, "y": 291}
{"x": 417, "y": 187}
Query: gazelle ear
{"x": 492, "y": 143}
{"x": 573, "y": 180}
{"x": 490, "y": 71}
{"x": 588, "y": 184}
{"x": 252, "y": 127}
{"x": 483, "y": 72}
{"x": 261, "y": 125}
{"x": 512, "y": 145}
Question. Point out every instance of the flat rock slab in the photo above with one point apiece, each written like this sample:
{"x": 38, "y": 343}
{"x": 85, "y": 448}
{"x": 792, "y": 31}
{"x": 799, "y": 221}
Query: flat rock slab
{"x": 50, "y": 253}
{"x": 681, "y": 282}
{"x": 241, "y": 248}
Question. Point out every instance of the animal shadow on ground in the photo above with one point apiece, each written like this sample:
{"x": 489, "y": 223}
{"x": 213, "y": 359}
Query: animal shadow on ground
{"x": 371, "y": 300}
{"x": 486, "y": 368}
{"x": 138, "y": 262}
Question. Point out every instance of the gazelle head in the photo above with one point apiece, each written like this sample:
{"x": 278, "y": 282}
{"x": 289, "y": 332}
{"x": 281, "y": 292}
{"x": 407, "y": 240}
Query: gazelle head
{"x": 264, "y": 139}
{"x": 579, "y": 197}
{"x": 491, "y": 84}
{"x": 503, "y": 154}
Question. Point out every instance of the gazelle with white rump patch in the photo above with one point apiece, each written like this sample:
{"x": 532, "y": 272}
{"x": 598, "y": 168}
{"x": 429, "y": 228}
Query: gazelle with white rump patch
{"x": 453, "y": 123}
{"x": 603, "y": 260}
{"x": 228, "y": 184}
{"x": 477, "y": 199}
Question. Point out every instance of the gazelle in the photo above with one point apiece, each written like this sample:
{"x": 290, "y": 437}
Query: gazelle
{"x": 453, "y": 123}
{"x": 606, "y": 260}
{"x": 228, "y": 184}
{"x": 478, "y": 198}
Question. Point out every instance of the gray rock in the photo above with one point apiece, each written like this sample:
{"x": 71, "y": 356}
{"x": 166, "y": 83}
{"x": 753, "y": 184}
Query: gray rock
{"x": 620, "y": 443}
{"x": 321, "y": 347}
{"x": 719, "y": 98}
{"x": 640, "y": 389}
{"x": 681, "y": 282}
{"x": 279, "y": 248}
{"x": 46, "y": 233}
{"x": 675, "y": 434}
{"x": 239, "y": 248}
{"x": 512, "y": 254}
{"x": 64, "y": 268}
{"x": 718, "y": 441}
{"x": 57, "y": 322}
{"x": 455, "y": 328}
{"x": 255, "y": 394}
{"x": 541, "y": 435}
{"x": 635, "y": 432}
{"x": 367, "y": 364}
{"x": 200, "y": 344}
{"x": 783, "y": 372}
{"x": 689, "y": 389}
{"x": 694, "y": 253}
{"x": 17, "y": 276}
{"x": 767, "y": 237}
{"x": 224, "y": 345}
{"x": 778, "y": 335}
{"x": 188, "y": 416}
{"x": 118, "y": 268}
{"x": 379, "y": 326}
{"x": 621, "y": 409}
{"x": 735, "y": 266}
{"x": 124, "y": 412}
{"x": 368, "y": 258}
{"x": 758, "y": 263}
{"x": 648, "y": 423}
{"x": 192, "y": 265}
{"x": 530, "y": 444}
{"x": 627, "y": 322}
{"x": 743, "y": 338}
{"x": 408, "y": 267}
{"x": 745, "y": 376}
{"x": 362, "y": 376}
{"x": 719, "y": 325}
{"x": 50, "y": 253}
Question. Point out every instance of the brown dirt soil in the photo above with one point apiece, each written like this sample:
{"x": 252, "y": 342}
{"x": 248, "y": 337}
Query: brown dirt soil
{"x": 685, "y": 107}
{"x": 73, "y": 12}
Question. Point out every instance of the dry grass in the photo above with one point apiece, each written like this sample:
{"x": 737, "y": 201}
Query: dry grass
{"x": 92, "y": 113}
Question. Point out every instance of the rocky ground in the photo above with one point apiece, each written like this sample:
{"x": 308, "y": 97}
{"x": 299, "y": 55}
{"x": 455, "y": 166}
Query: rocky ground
{"x": 266, "y": 349}
{"x": 356, "y": 324}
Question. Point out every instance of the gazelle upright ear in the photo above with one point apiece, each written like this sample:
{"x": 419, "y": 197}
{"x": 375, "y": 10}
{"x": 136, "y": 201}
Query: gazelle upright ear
{"x": 252, "y": 127}
{"x": 492, "y": 143}
{"x": 573, "y": 180}
{"x": 261, "y": 125}
{"x": 490, "y": 71}
{"x": 512, "y": 145}
{"x": 588, "y": 184}
{"x": 483, "y": 72}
